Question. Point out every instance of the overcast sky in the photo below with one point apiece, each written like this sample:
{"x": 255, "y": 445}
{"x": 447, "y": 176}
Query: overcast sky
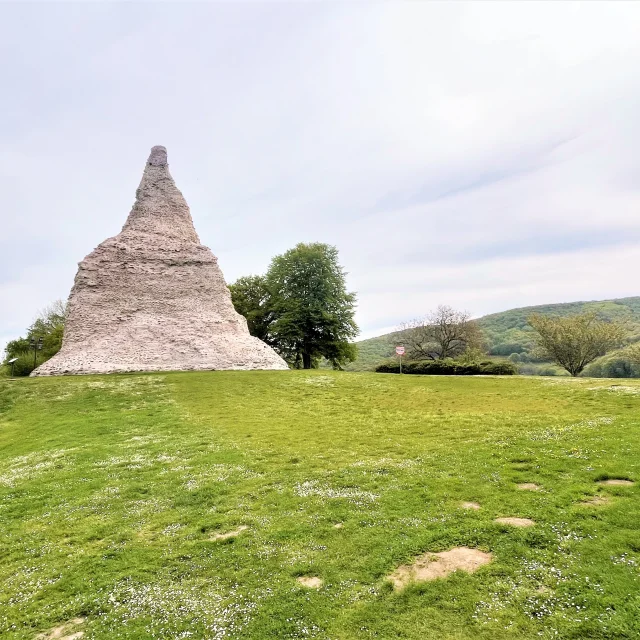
{"x": 482, "y": 155}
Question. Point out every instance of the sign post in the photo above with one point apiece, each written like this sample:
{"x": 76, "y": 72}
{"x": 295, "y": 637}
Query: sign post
{"x": 36, "y": 345}
{"x": 400, "y": 352}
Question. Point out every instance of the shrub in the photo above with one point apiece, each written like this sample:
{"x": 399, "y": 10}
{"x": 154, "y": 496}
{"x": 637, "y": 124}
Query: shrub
{"x": 48, "y": 326}
{"x": 448, "y": 368}
{"x": 498, "y": 368}
{"x": 615, "y": 365}
{"x": 23, "y": 366}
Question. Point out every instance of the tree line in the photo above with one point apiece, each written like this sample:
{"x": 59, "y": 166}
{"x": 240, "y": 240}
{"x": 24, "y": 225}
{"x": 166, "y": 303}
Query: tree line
{"x": 301, "y": 308}
{"x": 29, "y": 351}
{"x": 572, "y": 342}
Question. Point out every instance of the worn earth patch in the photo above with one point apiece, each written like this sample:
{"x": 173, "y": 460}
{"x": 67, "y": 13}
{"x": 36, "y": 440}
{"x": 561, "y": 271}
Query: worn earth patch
{"x": 516, "y": 522}
{"x": 431, "y": 566}
{"x": 528, "y": 486}
{"x": 617, "y": 482}
{"x": 311, "y": 582}
{"x": 64, "y": 631}
{"x": 470, "y": 505}
{"x": 595, "y": 501}
{"x": 230, "y": 534}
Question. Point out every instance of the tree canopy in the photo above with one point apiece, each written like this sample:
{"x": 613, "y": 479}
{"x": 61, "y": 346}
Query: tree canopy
{"x": 301, "y": 306}
{"x": 633, "y": 353}
{"x": 251, "y": 299}
{"x": 575, "y": 341}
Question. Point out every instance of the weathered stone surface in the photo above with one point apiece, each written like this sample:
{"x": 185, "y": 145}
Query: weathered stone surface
{"x": 153, "y": 298}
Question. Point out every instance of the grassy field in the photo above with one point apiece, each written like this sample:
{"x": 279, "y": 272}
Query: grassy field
{"x": 189, "y": 505}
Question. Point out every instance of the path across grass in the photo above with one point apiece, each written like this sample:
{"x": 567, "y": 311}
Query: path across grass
{"x": 277, "y": 505}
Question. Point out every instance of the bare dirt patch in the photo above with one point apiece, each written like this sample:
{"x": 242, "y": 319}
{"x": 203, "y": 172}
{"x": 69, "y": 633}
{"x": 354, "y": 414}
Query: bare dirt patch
{"x": 311, "y": 582}
{"x": 230, "y": 534}
{"x": 64, "y": 631}
{"x": 470, "y": 505}
{"x": 339, "y": 525}
{"x": 617, "y": 482}
{"x": 516, "y": 522}
{"x": 528, "y": 486}
{"x": 595, "y": 501}
{"x": 431, "y": 566}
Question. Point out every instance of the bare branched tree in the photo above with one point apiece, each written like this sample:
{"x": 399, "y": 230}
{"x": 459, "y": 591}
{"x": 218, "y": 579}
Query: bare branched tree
{"x": 53, "y": 314}
{"x": 443, "y": 333}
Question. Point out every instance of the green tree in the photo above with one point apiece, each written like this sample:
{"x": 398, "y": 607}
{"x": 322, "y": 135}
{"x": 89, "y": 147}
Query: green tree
{"x": 250, "y": 297}
{"x": 575, "y": 341}
{"x": 49, "y": 325}
{"x": 301, "y": 307}
{"x": 312, "y": 308}
{"x": 633, "y": 353}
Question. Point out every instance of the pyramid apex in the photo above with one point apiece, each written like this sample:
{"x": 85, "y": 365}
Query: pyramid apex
{"x": 158, "y": 156}
{"x": 153, "y": 298}
{"x": 159, "y": 206}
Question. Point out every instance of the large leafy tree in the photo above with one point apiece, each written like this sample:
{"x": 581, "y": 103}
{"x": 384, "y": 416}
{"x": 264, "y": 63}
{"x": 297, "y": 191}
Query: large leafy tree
{"x": 301, "y": 307}
{"x": 575, "y": 341}
{"x": 251, "y": 299}
{"x": 313, "y": 310}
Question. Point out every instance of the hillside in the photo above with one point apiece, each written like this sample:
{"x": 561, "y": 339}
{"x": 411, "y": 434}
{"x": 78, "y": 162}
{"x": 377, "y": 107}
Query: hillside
{"x": 507, "y": 332}
{"x": 262, "y": 505}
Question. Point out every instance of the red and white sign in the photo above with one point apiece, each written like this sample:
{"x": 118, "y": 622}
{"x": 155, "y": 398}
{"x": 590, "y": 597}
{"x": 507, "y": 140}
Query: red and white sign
{"x": 400, "y": 351}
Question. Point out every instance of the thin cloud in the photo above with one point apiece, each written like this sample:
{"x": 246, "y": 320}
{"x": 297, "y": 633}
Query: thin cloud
{"x": 477, "y": 154}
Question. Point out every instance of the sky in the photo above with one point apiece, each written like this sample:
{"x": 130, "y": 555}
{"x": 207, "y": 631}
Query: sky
{"x": 480, "y": 155}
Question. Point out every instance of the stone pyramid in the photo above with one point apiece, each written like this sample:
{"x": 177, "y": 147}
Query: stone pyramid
{"x": 153, "y": 298}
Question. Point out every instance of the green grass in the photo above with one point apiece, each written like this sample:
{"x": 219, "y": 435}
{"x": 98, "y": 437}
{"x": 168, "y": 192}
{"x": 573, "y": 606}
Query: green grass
{"x": 112, "y": 488}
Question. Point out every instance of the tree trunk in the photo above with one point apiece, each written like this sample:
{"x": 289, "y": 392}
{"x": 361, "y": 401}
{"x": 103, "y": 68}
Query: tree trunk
{"x": 306, "y": 360}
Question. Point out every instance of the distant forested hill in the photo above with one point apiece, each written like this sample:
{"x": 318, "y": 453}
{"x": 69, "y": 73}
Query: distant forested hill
{"x": 508, "y": 333}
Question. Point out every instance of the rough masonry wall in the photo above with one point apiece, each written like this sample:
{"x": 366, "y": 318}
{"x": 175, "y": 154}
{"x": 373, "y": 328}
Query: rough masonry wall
{"x": 153, "y": 298}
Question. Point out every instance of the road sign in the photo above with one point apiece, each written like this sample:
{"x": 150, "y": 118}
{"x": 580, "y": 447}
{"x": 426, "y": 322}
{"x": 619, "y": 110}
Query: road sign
{"x": 400, "y": 351}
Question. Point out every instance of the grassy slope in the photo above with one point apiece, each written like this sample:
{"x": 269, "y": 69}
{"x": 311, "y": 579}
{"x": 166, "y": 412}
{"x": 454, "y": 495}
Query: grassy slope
{"x": 111, "y": 489}
{"x": 511, "y": 328}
